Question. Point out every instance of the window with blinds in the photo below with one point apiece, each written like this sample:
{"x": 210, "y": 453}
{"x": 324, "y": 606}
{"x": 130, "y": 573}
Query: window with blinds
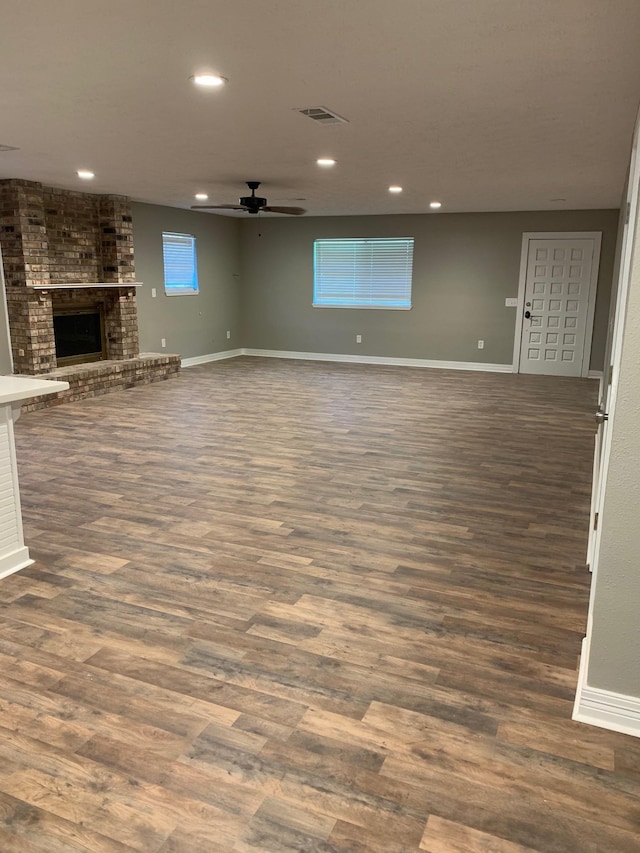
{"x": 372, "y": 273}
{"x": 180, "y": 266}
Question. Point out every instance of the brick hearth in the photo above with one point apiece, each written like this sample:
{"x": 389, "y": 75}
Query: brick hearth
{"x": 101, "y": 377}
{"x": 63, "y": 248}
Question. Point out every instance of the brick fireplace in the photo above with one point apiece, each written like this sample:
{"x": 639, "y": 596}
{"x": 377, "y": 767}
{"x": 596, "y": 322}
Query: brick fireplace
{"x": 64, "y": 249}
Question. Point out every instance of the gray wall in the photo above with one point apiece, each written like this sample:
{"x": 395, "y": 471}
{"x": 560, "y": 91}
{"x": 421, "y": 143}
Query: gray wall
{"x": 614, "y": 660}
{"x": 465, "y": 265}
{"x": 192, "y": 325}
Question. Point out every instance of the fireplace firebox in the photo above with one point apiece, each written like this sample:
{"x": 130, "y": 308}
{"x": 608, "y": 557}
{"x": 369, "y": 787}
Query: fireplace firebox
{"x": 79, "y": 334}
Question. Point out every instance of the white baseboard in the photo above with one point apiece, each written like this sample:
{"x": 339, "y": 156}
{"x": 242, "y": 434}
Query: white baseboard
{"x": 486, "y": 367}
{"x": 15, "y": 561}
{"x": 379, "y": 359}
{"x": 604, "y": 708}
{"x": 213, "y": 356}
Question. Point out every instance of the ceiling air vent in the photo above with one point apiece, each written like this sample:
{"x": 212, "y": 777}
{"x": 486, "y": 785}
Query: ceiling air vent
{"x": 322, "y": 115}
{"x": 8, "y": 148}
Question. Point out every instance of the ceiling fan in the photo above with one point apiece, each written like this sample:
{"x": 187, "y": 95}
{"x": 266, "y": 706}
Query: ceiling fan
{"x": 252, "y": 204}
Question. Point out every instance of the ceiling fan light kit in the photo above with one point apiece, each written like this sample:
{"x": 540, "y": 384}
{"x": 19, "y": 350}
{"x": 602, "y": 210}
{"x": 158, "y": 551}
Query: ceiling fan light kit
{"x": 251, "y": 204}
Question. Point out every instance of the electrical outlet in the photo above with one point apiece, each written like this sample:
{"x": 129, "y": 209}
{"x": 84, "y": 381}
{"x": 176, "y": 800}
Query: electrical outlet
{"x": 153, "y": 293}
{"x": 228, "y": 335}
{"x": 358, "y": 339}
{"x": 163, "y": 342}
{"x": 480, "y": 344}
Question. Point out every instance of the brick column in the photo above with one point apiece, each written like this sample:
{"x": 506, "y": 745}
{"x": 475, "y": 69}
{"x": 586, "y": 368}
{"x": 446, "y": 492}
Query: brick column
{"x": 116, "y": 235}
{"x": 25, "y": 256}
{"x": 121, "y": 325}
{"x": 31, "y": 325}
{"x": 121, "y": 315}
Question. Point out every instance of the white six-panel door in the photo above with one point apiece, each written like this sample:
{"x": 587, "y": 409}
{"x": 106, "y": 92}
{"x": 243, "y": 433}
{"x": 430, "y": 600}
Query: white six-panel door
{"x": 556, "y": 303}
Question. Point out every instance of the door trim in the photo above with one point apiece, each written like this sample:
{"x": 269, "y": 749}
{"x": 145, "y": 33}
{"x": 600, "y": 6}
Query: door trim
{"x": 593, "y": 705}
{"x": 632, "y": 199}
{"x": 596, "y": 236}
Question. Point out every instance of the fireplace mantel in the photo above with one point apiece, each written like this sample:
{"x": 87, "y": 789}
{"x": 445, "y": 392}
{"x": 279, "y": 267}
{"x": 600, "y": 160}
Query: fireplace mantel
{"x": 82, "y": 285}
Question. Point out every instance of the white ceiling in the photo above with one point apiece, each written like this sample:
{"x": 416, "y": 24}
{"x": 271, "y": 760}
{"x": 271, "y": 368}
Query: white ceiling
{"x": 484, "y": 104}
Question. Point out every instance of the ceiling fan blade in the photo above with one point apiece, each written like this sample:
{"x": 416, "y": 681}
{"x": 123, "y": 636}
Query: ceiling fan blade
{"x": 218, "y": 207}
{"x": 292, "y": 211}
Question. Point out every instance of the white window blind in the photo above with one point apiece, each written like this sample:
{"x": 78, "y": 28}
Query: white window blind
{"x": 180, "y": 266}
{"x": 372, "y": 273}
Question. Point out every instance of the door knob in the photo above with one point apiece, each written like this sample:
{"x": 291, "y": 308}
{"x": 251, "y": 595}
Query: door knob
{"x": 527, "y": 314}
{"x": 601, "y": 417}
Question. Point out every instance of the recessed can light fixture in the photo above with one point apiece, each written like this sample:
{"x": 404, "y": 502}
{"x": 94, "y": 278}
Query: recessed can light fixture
{"x": 395, "y": 189}
{"x": 326, "y": 161}
{"x": 435, "y": 205}
{"x": 202, "y": 196}
{"x": 209, "y": 81}
{"x": 85, "y": 174}
{"x": 557, "y": 199}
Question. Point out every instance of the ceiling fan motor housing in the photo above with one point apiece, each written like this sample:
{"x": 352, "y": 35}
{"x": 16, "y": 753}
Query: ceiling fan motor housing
{"x": 253, "y": 203}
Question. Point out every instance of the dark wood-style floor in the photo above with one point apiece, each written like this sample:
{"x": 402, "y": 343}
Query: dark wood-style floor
{"x": 283, "y": 606}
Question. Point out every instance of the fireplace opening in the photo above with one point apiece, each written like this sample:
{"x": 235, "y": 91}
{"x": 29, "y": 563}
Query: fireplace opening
{"x": 79, "y": 335}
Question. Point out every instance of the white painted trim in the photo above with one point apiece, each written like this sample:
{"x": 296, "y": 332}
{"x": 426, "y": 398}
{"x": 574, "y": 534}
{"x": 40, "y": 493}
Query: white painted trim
{"x": 213, "y": 356}
{"x": 15, "y": 561}
{"x": 527, "y": 236}
{"x": 379, "y": 359}
{"x": 522, "y": 283}
{"x": 632, "y": 200}
{"x": 605, "y": 708}
{"x": 591, "y": 305}
{"x": 5, "y": 312}
{"x": 351, "y": 359}
{"x": 486, "y": 367}
{"x": 15, "y": 555}
{"x": 589, "y": 706}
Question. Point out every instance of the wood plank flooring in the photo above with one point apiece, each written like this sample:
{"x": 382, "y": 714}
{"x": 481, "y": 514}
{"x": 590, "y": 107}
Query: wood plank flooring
{"x": 288, "y": 606}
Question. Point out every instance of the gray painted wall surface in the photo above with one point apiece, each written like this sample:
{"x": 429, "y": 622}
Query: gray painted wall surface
{"x": 192, "y": 325}
{"x": 614, "y": 660}
{"x": 465, "y": 266}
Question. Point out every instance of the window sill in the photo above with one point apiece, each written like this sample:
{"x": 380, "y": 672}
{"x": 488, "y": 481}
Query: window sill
{"x": 365, "y": 307}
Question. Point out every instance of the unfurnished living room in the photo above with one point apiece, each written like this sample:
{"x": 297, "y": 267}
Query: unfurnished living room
{"x": 320, "y": 426}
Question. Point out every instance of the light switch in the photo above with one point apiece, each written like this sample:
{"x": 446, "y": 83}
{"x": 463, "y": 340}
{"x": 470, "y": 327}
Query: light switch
{"x": 153, "y": 293}
{"x": 511, "y": 303}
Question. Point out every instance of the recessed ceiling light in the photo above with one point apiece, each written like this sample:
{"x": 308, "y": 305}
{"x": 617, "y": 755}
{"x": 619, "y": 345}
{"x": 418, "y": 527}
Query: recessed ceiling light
{"x": 557, "y": 199}
{"x": 209, "y": 81}
{"x": 202, "y": 196}
{"x": 85, "y": 174}
{"x": 326, "y": 161}
{"x": 435, "y": 205}
{"x": 395, "y": 189}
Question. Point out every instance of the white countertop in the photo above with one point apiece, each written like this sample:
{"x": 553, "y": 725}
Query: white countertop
{"x": 14, "y": 388}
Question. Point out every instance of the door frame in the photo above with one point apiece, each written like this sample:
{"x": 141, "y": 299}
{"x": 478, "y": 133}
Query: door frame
{"x": 527, "y": 236}
{"x": 609, "y": 385}
{"x": 593, "y": 705}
